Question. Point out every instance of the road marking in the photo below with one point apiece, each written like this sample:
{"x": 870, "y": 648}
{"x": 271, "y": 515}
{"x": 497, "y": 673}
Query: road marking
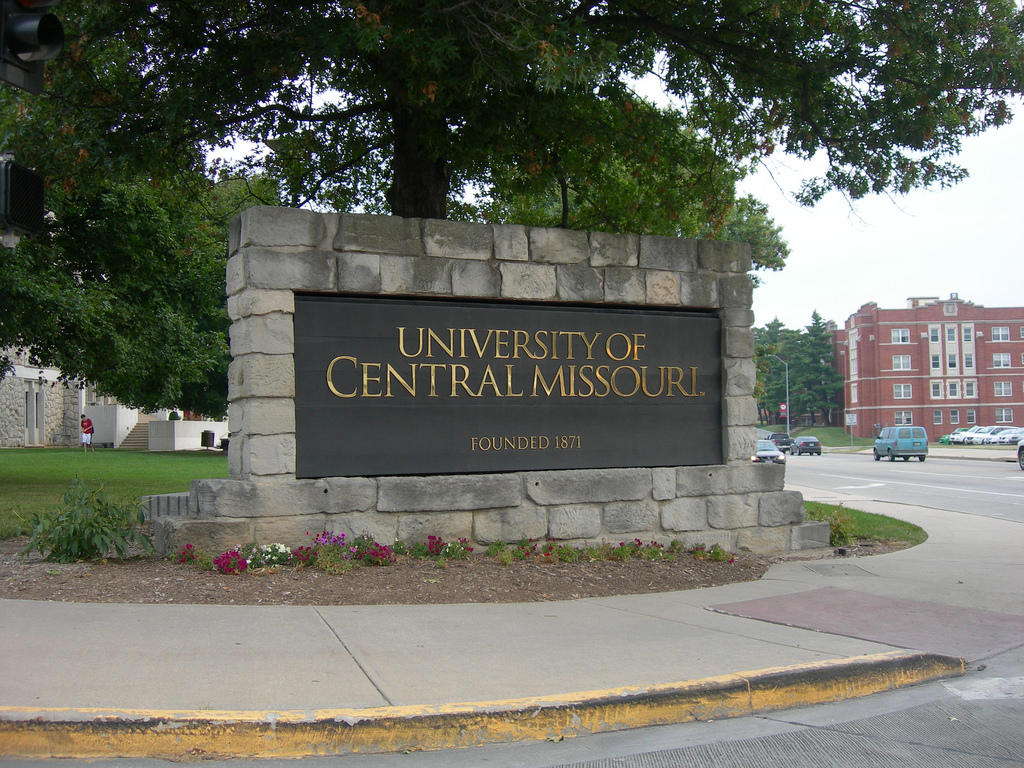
{"x": 855, "y": 487}
{"x": 945, "y": 488}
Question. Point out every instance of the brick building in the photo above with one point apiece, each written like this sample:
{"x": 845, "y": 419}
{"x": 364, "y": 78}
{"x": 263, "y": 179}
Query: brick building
{"x": 937, "y": 363}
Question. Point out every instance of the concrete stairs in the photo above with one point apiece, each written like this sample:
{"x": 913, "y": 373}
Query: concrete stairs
{"x": 137, "y": 439}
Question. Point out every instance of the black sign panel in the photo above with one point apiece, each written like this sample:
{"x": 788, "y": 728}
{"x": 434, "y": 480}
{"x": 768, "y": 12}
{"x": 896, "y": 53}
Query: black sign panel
{"x": 438, "y": 386}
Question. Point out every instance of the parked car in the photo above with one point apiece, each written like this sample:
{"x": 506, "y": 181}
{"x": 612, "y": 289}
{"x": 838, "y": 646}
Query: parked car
{"x": 805, "y": 444}
{"x": 947, "y": 439}
{"x": 901, "y": 442}
{"x": 1011, "y": 436}
{"x": 993, "y": 437}
{"x": 782, "y": 440}
{"x": 958, "y": 438}
{"x": 978, "y": 436}
{"x": 767, "y": 452}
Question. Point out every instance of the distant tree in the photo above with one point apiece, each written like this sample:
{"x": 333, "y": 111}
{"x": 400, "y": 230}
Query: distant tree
{"x": 820, "y": 386}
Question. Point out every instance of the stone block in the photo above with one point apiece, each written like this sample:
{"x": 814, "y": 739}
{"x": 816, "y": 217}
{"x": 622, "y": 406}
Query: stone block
{"x": 663, "y": 480}
{"x": 379, "y": 234}
{"x": 234, "y": 274}
{"x": 359, "y": 272}
{"x": 811, "y": 534}
{"x": 739, "y": 377}
{"x": 608, "y": 250}
{"x": 254, "y": 302}
{"x": 578, "y": 282}
{"x": 733, "y": 317}
{"x": 698, "y": 291}
{"x": 668, "y": 253}
{"x": 269, "y": 226}
{"x": 574, "y": 521}
{"x": 475, "y": 278}
{"x": 262, "y": 416}
{"x": 281, "y": 270}
{"x": 781, "y": 508}
{"x": 528, "y": 281}
{"x": 728, "y": 479}
{"x": 334, "y": 495}
{"x": 269, "y": 455}
{"x": 739, "y": 342}
{"x": 509, "y": 525}
{"x": 383, "y": 528}
{"x": 261, "y": 376}
{"x": 448, "y": 492}
{"x": 587, "y": 485}
{"x": 708, "y": 538}
{"x": 732, "y": 511}
{"x": 293, "y": 531}
{"x": 401, "y": 274}
{"x": 740, "y": 445}
{"x": 686, "y": 514}
{"x": 238, "y": 499}
{"x": 264, "y": 334}
{"x": 740, "y": 411}
{"x": 558, "y": 246}
{"x": 450, "y": 526}
{"x": 457, "y": 239}
{"x": 735, "y": 291}
{"x": 214, "y": 536}
{"x": 631, "y": 517}
{"x": 511, "y": 242}
{"x": 724, "y": 256}
{"x": 662, "y": 287}
{"x": 763, "y": 541}
{"x": 624, "y": 286}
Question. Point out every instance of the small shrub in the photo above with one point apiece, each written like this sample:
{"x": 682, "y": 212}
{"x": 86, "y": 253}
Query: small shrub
{"x": 304, "y": 555}
{"x": 87, "y": 526}
{"x": 266, "y": 555}
{"x": 333, "y": 559}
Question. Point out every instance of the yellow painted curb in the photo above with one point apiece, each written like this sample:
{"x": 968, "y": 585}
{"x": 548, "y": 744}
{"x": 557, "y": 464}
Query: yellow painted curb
{"x": 93, "y": 732}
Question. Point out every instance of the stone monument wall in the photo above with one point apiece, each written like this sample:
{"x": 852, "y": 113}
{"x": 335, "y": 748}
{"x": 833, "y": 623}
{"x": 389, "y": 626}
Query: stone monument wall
{"x": 276, "y": 252}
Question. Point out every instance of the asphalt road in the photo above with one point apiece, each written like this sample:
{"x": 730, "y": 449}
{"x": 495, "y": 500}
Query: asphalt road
{"x": 991, "y": 488}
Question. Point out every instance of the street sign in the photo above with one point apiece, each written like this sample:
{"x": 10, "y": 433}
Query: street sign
{"x": 851, "y": 419}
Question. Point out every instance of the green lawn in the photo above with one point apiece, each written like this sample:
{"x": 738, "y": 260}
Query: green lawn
{"x": 852, "y": 524}
{"x": 831, "y": 437}
{"x": 34, "y": 479}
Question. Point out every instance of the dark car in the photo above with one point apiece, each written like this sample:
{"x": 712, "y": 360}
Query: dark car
{"x": 766, "y": 452}
{"x": 782, "y": 440}
{"x": 805, "y": 444}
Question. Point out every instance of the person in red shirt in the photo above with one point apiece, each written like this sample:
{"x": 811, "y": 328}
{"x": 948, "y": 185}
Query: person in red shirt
{"x": 87, "y": 430}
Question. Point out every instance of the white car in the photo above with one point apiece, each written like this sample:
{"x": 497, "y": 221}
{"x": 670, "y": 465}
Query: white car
{"x": 992, "y": 437}
{"x": 1010, "y": 436}
{"x": 959, "y": 438}
{"x": 1020, "y": 454}
{"x": 976, "y": 437}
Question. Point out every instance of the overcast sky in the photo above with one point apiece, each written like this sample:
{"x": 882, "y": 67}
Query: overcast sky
{"x": 966, "y": 239}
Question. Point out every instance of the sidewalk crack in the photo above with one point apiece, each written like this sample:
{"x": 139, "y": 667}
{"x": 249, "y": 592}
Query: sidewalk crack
{"x": 352, "y": 656}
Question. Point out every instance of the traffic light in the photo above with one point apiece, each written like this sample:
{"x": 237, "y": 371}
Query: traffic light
{"x": 21, "y": 199}
{"x": 29, "y": 36}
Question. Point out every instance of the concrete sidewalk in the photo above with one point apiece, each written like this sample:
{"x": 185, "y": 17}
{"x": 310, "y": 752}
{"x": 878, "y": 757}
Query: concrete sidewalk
{"x": 143, "y": 680}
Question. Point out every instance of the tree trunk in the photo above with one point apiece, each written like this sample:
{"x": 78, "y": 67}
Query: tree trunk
{"x": 420, "y": 181}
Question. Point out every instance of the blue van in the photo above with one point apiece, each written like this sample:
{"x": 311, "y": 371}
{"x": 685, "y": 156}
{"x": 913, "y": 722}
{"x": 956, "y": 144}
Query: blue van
{"x": 902, "y": 442}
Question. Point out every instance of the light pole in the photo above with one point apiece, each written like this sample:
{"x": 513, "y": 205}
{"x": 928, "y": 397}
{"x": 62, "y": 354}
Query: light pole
{"x": 787, "y": 388}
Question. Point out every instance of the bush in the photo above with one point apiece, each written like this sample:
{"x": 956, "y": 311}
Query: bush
{"x": 87, "y": 526}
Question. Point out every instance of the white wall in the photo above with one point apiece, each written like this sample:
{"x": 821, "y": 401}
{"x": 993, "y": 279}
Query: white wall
{"x": 183, "y": 435}
{"x": 111, "y": 422}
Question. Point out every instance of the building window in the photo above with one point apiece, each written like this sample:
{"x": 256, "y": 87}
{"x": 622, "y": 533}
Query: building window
{"x": 936, "y": 362}
{"x": 954, "y": 416}
{"x": 1002, "y": 389}
{"x": 902, "y": 391}
{"x": 853, "y": 393}
{"x": 968, "y": 359}
{"x": 968, "y": 334}
{"x": 901, "y": 362}
{"x": 972, "y": 416}
{"x": 1004, "y": 415}
{"x": 970, "y": 388}
{"x": 1022, "y": 331}
{"x": 951, "y": 361}
{"x": 1001, "y": 360}
{"x": 933, "y": 334}
{"x": 936, "y": 389}
{"x": 1001, "y": 333}
{"x": 953, "y": 387}
{"x": 951, "y": 333}
{"x": 900, "y": 335}
{"x": 936, "y": 416}
{"x": 903, "y": 418}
